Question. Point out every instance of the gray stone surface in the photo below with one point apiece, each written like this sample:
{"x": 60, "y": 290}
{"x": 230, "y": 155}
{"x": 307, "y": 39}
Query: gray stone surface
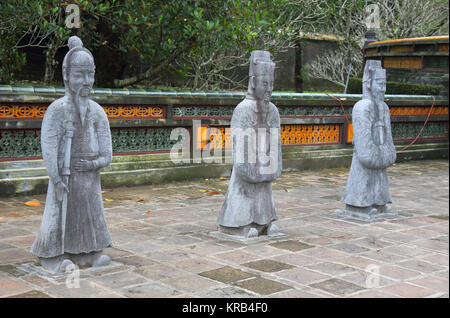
{"x": 76, "y": 144}
{"x": 249, "y": 210}
{"x": 367, "y": 193}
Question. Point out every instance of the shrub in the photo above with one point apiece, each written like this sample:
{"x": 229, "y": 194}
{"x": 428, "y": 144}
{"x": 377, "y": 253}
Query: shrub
{"x": 394, "y": 88}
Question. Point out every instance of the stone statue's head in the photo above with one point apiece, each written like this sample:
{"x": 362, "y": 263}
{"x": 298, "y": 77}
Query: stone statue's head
{"x": 261, "y": 75}
{"x": 374, "y": 80}
{"x": 78, "y": 68}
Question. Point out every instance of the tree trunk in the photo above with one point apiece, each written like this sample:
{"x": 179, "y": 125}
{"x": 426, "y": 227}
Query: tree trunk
{"x": 50, "y": 62}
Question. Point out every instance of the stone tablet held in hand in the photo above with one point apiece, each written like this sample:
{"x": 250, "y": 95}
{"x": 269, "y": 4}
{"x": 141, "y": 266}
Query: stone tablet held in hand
{"x": 367, "y": 193}
{"x": 76, "y": 144}
{"x": 249, "y": 210}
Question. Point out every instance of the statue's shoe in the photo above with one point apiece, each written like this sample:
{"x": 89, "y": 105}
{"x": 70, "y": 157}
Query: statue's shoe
{"x": 63, "y": 265}
{"x": 252, "y": 233}
{"x": 103, "y": 260}
{"x": 272, "y": 230}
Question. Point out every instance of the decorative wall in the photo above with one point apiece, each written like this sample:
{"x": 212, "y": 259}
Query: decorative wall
{"x": 142, "y": 121}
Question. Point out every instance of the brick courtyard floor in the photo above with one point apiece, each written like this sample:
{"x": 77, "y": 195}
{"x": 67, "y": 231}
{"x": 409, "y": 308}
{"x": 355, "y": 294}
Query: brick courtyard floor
{"x": 163, "y": 247}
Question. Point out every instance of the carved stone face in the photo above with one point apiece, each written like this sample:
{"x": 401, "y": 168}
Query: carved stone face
{"x": 378, "y": 87}
{"x": 263, "y": 86}
{"x": 81, "y": 75}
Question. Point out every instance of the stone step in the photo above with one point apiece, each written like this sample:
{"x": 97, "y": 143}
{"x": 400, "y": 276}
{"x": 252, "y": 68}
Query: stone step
{"x": 149, "y": 169}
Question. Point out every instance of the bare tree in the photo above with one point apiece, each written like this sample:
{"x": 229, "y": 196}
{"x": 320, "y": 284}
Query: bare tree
{"x": 398, "y": 19}
{"x": 215, "y": 67}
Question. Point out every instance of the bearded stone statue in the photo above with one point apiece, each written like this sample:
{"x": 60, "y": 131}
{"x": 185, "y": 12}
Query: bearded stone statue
{"x": 76, "y": 144}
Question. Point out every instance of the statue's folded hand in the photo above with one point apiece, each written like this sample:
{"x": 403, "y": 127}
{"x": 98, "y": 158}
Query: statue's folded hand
{"x": 61, "y": 187}
{"x": 84, "y": 165}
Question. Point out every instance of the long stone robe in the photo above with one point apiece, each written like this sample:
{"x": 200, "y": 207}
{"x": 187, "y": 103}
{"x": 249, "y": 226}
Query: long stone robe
{"x": 249, "y": 197}
{"x": 85, "y": 227}
{"x": 367, "y": 183}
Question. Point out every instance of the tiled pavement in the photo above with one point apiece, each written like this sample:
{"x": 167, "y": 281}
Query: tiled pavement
{"x": 163, "y": 247}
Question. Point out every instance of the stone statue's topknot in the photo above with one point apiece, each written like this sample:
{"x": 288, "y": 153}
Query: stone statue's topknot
{"x": 74, "y": 41}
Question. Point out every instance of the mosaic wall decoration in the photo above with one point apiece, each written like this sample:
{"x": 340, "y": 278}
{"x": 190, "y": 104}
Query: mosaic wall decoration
{"x": 20, "y": 143}
{"x": 436, "y": 129}
{"x": 405, "y": 131}
{"x": 112, "y": 111}
{"x": 16, "y": 144}
{"x": 302, "y": 134}
{"x": 202, "y": 111}
{"x": 313, "y": 111}
{"x": 141, "y": 140}
{"x": 310, "y": 134}
{"x": 418, "y": 110}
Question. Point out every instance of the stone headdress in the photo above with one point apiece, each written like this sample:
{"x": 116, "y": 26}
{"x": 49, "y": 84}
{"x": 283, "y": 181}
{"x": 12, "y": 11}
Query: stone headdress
{"x": 75, "y": 45}
{"x": 261, "y": 64}
{"x": 372, "y": 70}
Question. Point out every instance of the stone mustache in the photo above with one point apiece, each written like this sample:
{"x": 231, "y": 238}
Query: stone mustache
{"x": 248, "y": 210}
{"x": 367, "y": 193}
{"x": 76, "y": 144}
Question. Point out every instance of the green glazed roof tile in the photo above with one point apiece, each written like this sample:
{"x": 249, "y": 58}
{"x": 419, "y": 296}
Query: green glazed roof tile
{"x": 118, "y": 91}
{"x": 44, "y": 89}
{"x": 137, "y": 91}
{"x": 106, "y": 91}
{"x": 6, "y": 88}
{"x": 23, "y": 89}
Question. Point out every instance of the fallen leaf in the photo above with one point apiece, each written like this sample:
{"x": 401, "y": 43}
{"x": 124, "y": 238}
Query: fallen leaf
{"x": 222, "y": 178}
{"x": 33, "y": 203}
{"x": 140, "y": 200}
{"x": 286, "y": 190}
{"x": 148, "y": 212}
{"x": 335, "y": 182}
{"x": 109, "y": 200}
{"x": 203, "y": 190}
{"x": 103, "y": 191}
{"x": 418, "y": 173}
{"x": 214, "y": 192}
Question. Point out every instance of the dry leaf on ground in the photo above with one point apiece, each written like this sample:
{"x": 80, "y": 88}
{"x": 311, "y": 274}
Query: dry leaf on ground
{"x": 33, "y": 203}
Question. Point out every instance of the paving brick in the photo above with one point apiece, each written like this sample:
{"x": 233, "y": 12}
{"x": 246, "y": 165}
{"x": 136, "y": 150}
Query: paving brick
{"x": 31, "y": 294}
{"x": 337, "y": 286}
{"x": 302, "y": 276}
{"x": 268, "y": 265}
{"x": 227, "y": 274}
{"x": 331, "y": 268}
{"x": 9, "y": 287}
{"x": 434, "y": 283}
{"x": 407, "y": 290}
{"x": 291, "y": 245}
{"x": 262, "y": 286}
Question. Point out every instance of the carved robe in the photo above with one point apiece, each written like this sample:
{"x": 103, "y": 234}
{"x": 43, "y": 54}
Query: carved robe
{"x": 367, "y": 183}
{"x": 249, "y": 197}
{"x": 85, "y": 228}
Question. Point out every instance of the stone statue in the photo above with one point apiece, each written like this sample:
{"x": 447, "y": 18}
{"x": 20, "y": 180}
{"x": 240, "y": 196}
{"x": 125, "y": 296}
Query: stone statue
{"x": 76, "y": 144}
{"x": 367, "y": 191}
{"x": 248, "y": 210}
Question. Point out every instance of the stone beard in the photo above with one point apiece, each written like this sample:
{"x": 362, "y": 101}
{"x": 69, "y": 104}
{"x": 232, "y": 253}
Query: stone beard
{"x": 76, "y": 144}
{"x": 367, "y": 192}
{"x": 248, "y": 210}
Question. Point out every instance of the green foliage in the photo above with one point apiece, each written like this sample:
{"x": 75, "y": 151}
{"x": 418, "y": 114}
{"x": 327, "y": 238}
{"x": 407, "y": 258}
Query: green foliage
{"x": 393, "y": 88}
